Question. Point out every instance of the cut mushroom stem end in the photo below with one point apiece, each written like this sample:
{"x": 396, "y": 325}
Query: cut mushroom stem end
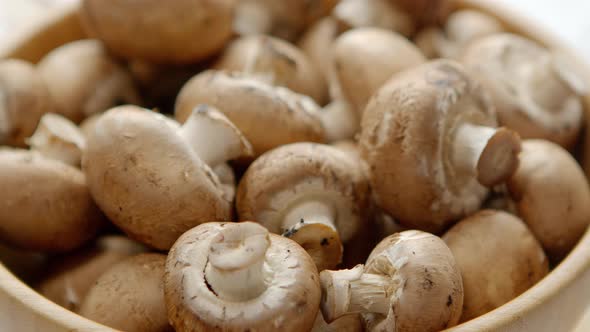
{"x": 58, "y": 138}
{"x": 235, "y": 262}
{"x": 492, "y": 153}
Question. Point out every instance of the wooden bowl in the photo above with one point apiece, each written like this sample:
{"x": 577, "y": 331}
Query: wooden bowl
{"x": 556, "y": 303}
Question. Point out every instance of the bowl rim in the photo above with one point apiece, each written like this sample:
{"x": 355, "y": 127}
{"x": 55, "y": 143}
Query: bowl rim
{"x": 63, "y": 26}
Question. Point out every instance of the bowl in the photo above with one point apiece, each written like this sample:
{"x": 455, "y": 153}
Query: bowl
{"x": 556, "y": 303}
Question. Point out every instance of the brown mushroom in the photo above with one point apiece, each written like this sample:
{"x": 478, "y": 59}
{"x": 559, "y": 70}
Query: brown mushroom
{"x": 83, "y": 80}
{"x": 499, "y": 259}
{"x": 129, "y": 296}
{"x": 58, "y": 138}
{"x": 24, "y": 99}
{"x": 409, "y": 283}
{"x": 536, "y": 91}
{"x": 430, "y": 139}
{"x": 340, "y": 121}
{"x": 238, "y": 276}
{"x": 551, "y": 195}
{"x": 153, "y": 178}
{"x": 311, "y": 193}
{"x": 384, "y": 14}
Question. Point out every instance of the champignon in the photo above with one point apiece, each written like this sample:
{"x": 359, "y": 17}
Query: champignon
{"x": 238, "y": 276}
{"x": 430, "y": 139}
{"x": 83, "y": 79}
{"x": 551, "y": 195}
{"x": 366, "y": 58}
{"x": 311, "y": 193}
{"x": 58, "y": 138}
{"x": 340, "y": 121}
{"x": 499, "y": 259}
{"x": 129, "y": 296}
{"x": 70, "y": 277}
{"x": 268, "y": 116}
{"x": 154, "y": 178}
{"x": 276, "y": 62}
{"x": 410, "y": 282}
{"x": 536, "y": 91}
{"x": 384, "y": 14}
{"x": 24, "y": 99}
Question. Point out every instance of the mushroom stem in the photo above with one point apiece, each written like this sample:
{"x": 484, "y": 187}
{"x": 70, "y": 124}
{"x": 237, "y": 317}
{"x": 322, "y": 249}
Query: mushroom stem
{"x": 58, "y": 138}
{"x": 310, "y": 212}
{"x": 235, "y": 268}
{"x": 547, "y": 86}
{"x": 270, "y": 65}
{"x": 491, "y": 153}
{"x": 352, "y": 291}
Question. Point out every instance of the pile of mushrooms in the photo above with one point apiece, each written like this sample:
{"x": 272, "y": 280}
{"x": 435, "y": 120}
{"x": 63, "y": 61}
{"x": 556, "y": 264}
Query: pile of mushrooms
{"x": 262, "y": 165}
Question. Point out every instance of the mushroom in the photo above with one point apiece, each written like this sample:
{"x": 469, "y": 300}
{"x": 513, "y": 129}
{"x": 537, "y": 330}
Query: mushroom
{"x": 461, "y": 28}
{"x": 45, "y": 204}
{"x": 499, "y": 199}
{"x": 161, "y": 32}
{"x": 430, "y": 139}
{"x": 499, "y": 259}
{"x": 71, "y": 276}
{"x": 268, "y": 116}
{"x": 410, "y": 282}
{"x": 339, "y": 120}
{"x": 384, "y": 14}
{"x": 276, "y": 62}
{"x": 129, "y": 296}
{"x": 348, "y": 323}
{"x": 426, "y": 12}
{"x": 24, "y": 98}
{"x": 536, "y": 91}
{"x": 551, "y": 195}
{"x": 238, "y": 276}
{"x": 83, "y": 80}
{"x": 154, "y": 178}
{"x": 311, "y": 193}
{"x": 366, "y": 58}
{"x": 87, "y": 126}
{"x": 58, "y": 138}
{"x": 227, "y": 177}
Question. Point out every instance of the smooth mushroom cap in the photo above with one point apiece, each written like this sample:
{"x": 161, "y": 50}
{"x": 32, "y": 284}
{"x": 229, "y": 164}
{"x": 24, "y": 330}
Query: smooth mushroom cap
{"x": 58, "y": 138}
{"x": 552, "y": 196}
{"x": 290, "y": 294}
{"x": 148, "y": 179}
{"x": 276, "y": 62}
{"x": 161, "y": 32}
{"x": 129, "y": 296}
{"x": 83, "y": 79}
{"x": 70, "y": 277}
{"x": 411, "y": 139}
{"x": 24, "y": 99}
{"x": 536, "y": 91}
{"x": 268, "y": 116}
{"x": 46, "y": 204}
{"x": 499, "y": 259}
{"x": 366, "y": 58}
{"x": 354, "y": 14}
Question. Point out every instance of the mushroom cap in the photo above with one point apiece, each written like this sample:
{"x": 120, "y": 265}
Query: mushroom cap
{"x": 71, "y": 276}
{"x": 129, "y": 296}
{"x": 268, "y": 116}
{"x": 289, "y": 303}
{"x": 354, "y": 14}
{"x": 500, "y": 240}
{"x": 406, "y": 139}
{"x": 147, "y": 179}
{"x": 83, "y": 79}
{"x": 24, "y": 99}
{"x": 552, "y": 196}
{"x": 58, "y": 138}
{"x": 161, "y": 32}
{"x": 430, "y": 292}
{"x": 366, "y": 58}
{"x": 296, "y": 172}
{"x": 46, "y": 204}
{"x": 276, "y": 62}
{"x": 507, "y": 65}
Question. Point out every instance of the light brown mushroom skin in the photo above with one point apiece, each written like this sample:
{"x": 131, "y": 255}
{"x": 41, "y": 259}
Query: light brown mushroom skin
{"x": 83, "y": 79}
{"x": 24, "y": 99}
{"x": 267, "y": 118}
{"x": 147, "y": 179}
{"x": 276, "y": 61}
{"x": 366, "y": 58}
{"x": 354, "y": 14}
{"x": 551, "y": 195}
{"x": 161, "y": 32}
{"x": 291, "y": 311}
{"x": 499, "y": 259}
{"x": 46, "y": 204}
{"x": 71, "y": 277}
{"x": 130, "y": 296}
